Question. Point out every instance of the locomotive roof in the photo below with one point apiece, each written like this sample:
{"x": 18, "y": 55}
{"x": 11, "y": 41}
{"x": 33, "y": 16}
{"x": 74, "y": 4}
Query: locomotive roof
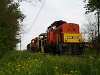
{"x": 57, "y": 23}
{"x": 42, "y": 34}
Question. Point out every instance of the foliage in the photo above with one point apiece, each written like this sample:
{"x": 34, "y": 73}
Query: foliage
{"x": 92, "y": 5}
{"x": 10, "y": 18}
{"x": 28, "y": 63}
{"x": 90, "y": 30}
{"x": 90, "y": 27}
{"x": 95, "y": 39}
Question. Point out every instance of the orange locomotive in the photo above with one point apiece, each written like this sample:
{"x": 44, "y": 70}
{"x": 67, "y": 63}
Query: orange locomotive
{"x": 32, "y": 46}
{"x": 64, "y": 38}
{"x": 61, "y": 38}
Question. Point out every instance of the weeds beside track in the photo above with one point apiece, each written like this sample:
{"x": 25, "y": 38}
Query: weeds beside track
{"x": 28, "y": 63}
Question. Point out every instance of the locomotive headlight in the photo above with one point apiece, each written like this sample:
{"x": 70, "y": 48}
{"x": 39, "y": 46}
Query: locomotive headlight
{"x": 66, "y": 39}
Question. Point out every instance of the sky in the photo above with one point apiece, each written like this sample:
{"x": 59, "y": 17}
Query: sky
{"x": 36, "y": 22}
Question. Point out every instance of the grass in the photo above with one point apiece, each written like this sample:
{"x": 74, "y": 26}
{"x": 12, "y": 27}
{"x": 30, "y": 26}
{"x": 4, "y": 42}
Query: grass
{"x": 28, "y": 63}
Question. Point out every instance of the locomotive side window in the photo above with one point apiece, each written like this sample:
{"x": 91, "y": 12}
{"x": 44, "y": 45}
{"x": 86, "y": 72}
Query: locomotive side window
{"x": 40, "y": 37}
{"x": 48, "y": 30}
{"x": 54, "y": 27}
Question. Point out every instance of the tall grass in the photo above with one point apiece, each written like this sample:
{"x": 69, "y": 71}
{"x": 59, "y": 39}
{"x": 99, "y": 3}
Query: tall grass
{"x": 28, "y": 63}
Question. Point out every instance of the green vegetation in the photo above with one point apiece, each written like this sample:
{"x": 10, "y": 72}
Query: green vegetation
{"x": 92, "y": 5}
{"x": 10, "y": 25}
{"x": 29, "y": 63}
{"x": 93, "y": 24}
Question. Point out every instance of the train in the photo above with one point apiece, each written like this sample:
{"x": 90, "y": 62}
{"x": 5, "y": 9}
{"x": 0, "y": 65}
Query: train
{"x": 60, "y": 38}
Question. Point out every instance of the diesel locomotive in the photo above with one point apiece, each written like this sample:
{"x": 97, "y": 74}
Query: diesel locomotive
{"x": 60, "y": 38}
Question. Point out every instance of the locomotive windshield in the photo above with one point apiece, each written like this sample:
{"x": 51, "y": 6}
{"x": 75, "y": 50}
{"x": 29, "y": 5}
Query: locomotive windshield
{"x": 40, "y": 37}
{"x": 48, "y": 30}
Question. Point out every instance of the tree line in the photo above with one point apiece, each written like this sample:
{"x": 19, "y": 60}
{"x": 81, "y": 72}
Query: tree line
{"x": 10, "y": 27}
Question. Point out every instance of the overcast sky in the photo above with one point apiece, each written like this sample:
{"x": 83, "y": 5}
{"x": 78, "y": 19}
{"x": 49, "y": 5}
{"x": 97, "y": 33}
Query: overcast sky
{"x": 71, "y": 11}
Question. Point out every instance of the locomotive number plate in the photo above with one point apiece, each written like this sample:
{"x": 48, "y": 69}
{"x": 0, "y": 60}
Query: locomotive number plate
{"x": 72, "y": 37}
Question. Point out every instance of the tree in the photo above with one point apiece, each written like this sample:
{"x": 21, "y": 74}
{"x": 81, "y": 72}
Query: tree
{"x": 30, "y": 1}
{"x": 92, "y": 6}
{"x": 90, "y": 27}
{"x": 10, "y": 18}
